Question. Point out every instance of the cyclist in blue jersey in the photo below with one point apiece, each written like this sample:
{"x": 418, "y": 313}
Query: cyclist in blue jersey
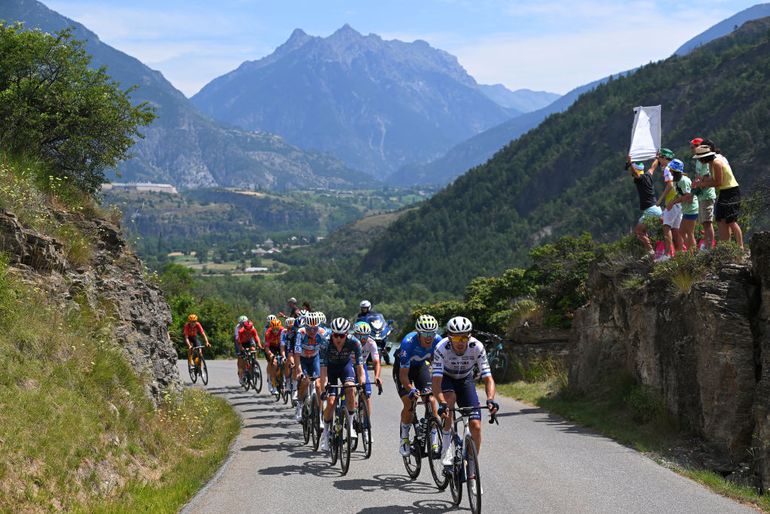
{"x": 411, "y": 371}
{"x": 307, "y": 346}
{"x": 453, "y": 363}
{"x": 341, "y": 362}
{"x": 288, "y": 336}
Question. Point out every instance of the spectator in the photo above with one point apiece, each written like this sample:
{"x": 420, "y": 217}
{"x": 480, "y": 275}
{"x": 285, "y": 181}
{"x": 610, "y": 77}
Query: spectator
{"x": 672, "y": 218}
{"x": 706, "y": 197}
{"x": 647, "y": 202}
{"x": 306, "y": 307}
{"x": 728, "y": 204}
{"x": 688, "y": 202}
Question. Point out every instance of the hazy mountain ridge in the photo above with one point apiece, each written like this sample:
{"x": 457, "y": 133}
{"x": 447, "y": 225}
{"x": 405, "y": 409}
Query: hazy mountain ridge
{"x": 182, "y": 146}
{"x": 373, "y": 103}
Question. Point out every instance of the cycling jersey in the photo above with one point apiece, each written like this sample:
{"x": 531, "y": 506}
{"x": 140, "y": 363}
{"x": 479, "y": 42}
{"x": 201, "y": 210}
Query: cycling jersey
{"x": 350, "y": 351}
{"x": 446, "y": 363}
{"x": 192, "y": 329}
{"x": 288, "y": 336}
{"x": 412, "y": 353}
{"x": 273, "y": 339}
{"x": 238, "y": 326}
{"x": 308, "y": 346}
{"x": 369, "y": 348}
{"x": 248, "y": 337}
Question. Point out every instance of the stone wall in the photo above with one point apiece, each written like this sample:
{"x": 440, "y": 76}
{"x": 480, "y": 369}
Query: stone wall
{"x": 113, "y": 285}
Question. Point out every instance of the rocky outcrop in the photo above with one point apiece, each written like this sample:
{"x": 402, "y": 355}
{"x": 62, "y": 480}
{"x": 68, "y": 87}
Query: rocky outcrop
{"x": 699, "y": 349}
{"x": 112, "y": 284}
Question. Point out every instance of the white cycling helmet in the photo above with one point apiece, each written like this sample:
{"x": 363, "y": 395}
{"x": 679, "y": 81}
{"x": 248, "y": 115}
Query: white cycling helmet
{"x": 459, "y": 325}
{"x": 312, "y": 319}
{"x": 426, "y": 323}
{"x": 242, "y": 319}
{"x": 321, "y": 317}
{"x": 271, "y": 317}
{"x": 362, "y": 328}
{"x": 340, "y": 326}
{"x": 289, "y": 322}
{"x": 365, "y": 304}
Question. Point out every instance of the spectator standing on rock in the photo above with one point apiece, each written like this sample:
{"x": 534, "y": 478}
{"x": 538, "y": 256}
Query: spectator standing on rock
{"x": 672, "y": 218}
{"x": 728, "y": 204}
{"x": 688, "y": 202}
{"x": 706, "y": 198}
{"x": 647, "y": 201}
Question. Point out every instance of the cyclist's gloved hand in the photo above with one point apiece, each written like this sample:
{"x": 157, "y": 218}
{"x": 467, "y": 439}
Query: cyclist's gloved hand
{"x": 493, "y": 406}
{"x": 442, "y": 409}
{"x": 413, "y": 393}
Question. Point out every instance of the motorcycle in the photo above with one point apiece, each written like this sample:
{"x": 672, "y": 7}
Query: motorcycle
{"x": 496, "y": 356}
{"x": 381, "y": 329}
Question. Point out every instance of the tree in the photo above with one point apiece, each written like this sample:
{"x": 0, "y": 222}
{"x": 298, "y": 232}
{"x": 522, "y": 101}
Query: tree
{"x": 55, "y": 108}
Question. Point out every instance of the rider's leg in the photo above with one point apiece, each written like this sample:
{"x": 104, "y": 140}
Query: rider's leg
{"x": 240, "y": 367}
{"x": 475, "y": 427}
{"x": 446, "y": 434}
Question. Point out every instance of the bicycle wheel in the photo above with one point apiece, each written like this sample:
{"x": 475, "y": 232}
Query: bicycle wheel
{"x": 456, "y": 478}
{"x": 193, "y": 372}
{"x": 473, "y": 475}
{"x": 365, "y": 426}
{"x": 413, "y": 461}
{"x": 277, "y": 388}
{"x": 344, "y": 440}
{"x": 256, "y": 375}
{"x": 315, "y": 422}
{"x": 204, "y": 372}
{"x": 333, "y": 445}
{"x": 434, "y": 454}
{"x": 286, "y": 390}
{"x": 305, "y": 422}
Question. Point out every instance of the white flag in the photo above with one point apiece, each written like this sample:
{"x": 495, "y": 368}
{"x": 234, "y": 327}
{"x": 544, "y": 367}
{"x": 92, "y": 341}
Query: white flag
{"x": 645, "y": 136}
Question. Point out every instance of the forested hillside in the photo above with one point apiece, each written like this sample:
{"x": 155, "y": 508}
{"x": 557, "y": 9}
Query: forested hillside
{"x": 566, "y": 176}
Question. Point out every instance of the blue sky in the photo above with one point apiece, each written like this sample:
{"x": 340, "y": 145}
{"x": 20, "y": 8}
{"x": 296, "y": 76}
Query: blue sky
{"x": 548, "y": 45}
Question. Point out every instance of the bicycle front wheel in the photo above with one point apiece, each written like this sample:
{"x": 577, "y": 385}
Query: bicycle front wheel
{"x": 256, "y": 375}
{"x": 365, "y": 426}
{"x": 193, "y": 373}
{"x": 413, "y": 461}
{"x": 345, "y": 440}
{"x": 473, "y": 475}
{"x": 306, "y": 426}
{"x": 334, "y": 447}
{"x": 435, "y": 451}
{"x": 315, "y": 422}
{"x": 204, "y": 372}
{"x": 456, "y": 478}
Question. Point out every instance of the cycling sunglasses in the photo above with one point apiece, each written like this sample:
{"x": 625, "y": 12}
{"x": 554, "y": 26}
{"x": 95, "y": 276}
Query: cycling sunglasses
{"x": 459, "y": 338}
{"x": 426, "y": 334}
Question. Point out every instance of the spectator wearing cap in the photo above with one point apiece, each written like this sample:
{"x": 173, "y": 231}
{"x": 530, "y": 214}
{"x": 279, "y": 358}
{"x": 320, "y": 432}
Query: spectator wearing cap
{"x": 688, "y": 201}
{"x": 706, "y": 198}
{"x": 728, "y": 203}
{"x": 672, "y": 218}
{"x": 647, "y": 201}
{"x": 293, "y": 310}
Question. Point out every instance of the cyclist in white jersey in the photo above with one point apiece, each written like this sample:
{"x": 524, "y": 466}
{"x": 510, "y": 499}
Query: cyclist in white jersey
{"x": 368, "y": 347}
{"x": 453, "y": 361}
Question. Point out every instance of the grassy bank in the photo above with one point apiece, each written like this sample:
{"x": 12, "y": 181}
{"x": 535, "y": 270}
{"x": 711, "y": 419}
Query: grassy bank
{"x": 632, "y": 415}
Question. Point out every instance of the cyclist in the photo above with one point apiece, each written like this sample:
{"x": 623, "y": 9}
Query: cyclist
{"x": 248, "y": 338}
{"x": 365, "y": 309}
{"x": 340, "y": 362}
{"x": 307, "y": 345}
{"x": 288, "y": 336}
{"x": 270, "y": 317}
{"x": 191, "y": 330}
{"x": 453, "y": 361}
{"x": 238, "y": 326}
{"x": 322, "y": 320}
{"x": 272, "y": 349}
{"x": 411, "y": 371}
{"x": 368, "y": 347}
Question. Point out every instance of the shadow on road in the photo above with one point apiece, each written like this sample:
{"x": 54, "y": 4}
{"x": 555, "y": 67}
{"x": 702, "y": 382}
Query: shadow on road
{"x": 312, "y": 467}
{"x": 386, "y": 483}
{"x": 415, "y": 508}
{"x": 568, "y": 427}
{"x": 279, "y": 435}
{"x": 273, "y": 424}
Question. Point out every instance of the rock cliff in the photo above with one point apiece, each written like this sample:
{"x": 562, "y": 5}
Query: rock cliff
{"x": 705, "y": 350}
{"x": 112, "y": 284}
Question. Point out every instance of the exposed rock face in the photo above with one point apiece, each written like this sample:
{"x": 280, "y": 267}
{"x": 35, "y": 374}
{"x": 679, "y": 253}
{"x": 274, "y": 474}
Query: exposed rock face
{"x": 113, "y": 285}
{"x": 699, "y": 349}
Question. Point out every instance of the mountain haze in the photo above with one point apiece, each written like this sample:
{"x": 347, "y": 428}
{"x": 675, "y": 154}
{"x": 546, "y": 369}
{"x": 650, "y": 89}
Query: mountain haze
{"x": 182, "y": 146}
{"x": 566, "y": 176}
{"x": 522, "y": 100}
{"x": 374, "y": 104}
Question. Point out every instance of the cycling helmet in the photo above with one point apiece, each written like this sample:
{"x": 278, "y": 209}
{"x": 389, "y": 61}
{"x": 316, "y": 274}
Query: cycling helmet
{"x": 340, "y": 326}
{"x": 366, "y": 304}
{"x": 248, "y": 325}
{"x": 242, "y": 319}
{"x": 192, "y": 317}
{"x": 275, "y": 323}
{"x": 312, "y": 319}
{"x": 302, "y": 319}
{"x": 362, "y": 328}
{"x": 426, "y": 323}
{"x": 270, "y": 318}
{"x": 292, "y": 300}
{"x": 459, "y": 325}
{"x": 321, "y": 318}
{"x": 289, "y": 322}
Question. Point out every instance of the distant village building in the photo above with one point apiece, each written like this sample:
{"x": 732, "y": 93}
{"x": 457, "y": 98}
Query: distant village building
{"x": 268, "y": 243}
{"x": 255, "y": 269}
{"x": 141, "y": 187}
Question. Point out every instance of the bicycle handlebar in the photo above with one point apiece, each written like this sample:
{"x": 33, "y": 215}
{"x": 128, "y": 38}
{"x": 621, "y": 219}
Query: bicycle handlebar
{"x": 467, "y": 411}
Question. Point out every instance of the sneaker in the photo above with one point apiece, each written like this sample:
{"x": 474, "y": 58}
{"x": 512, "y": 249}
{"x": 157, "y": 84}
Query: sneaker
{"x": 448, "y": 458}
{"x": 663, "y": 258}
{"x": 405, "y": 449}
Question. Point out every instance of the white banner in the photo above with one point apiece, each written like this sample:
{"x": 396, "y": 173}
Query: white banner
{"x": 645, "y": 136}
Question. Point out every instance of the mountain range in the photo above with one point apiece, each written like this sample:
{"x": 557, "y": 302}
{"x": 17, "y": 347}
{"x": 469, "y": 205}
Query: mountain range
{"x": 566, "y": 176}
{"x": 375, "y": 104}
{"x": 182, "y": 146}
{"x": 479, "y": 148}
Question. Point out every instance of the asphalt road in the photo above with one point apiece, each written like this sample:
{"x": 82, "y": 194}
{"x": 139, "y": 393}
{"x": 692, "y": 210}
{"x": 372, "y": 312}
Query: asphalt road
{"x": 531, "y": 462}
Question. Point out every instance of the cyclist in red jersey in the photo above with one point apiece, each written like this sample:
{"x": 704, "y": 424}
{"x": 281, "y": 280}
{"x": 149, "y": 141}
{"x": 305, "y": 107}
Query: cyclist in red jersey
{"x": 247, "y": 338}
{"x": 272, "y": 349}
{"x": 191, "y": 331}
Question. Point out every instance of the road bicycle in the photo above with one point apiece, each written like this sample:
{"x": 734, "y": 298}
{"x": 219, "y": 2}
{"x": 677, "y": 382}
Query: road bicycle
{"x": 198, "y": 369}
{"x": 340, "y": 437}
{"x": 465, "y": 464}
{"x": 311, "y": 415}
{"x": 362, "y": 422}
{"x": 425, "y": 441}
{"x": 288, "y": 386}
{"x": 277, "y": 380}
{"x": 252, "y": 371}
